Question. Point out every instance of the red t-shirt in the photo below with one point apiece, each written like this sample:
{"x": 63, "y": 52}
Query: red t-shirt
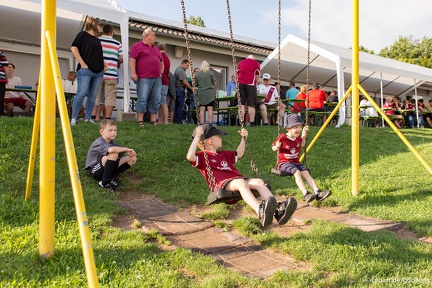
{"x": 317, "y": 98}
{"x": 221, "y": 164}
{"x": 148, "y": 60}
{"x": 389, "y": 106}
{"x": 290, "y": 149}
{"x": 167, "y": 64}
{"x": 299, "y": 106}
{"x": 247, "y": 70}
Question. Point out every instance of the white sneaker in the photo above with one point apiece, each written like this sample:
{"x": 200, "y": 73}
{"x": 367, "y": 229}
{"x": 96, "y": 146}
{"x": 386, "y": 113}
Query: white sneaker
{"x": 90, "y": 121}
{"x": 73, "y": 121}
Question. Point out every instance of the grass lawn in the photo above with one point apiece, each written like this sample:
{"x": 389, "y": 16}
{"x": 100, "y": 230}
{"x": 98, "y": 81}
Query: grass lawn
{"x": 393, "y": 186}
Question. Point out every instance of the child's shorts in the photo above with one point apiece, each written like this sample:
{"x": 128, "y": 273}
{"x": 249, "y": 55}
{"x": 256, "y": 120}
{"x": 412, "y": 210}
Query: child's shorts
{"x": 291, "y": 168}
{"x": 225, "y": 182}
{"x": 96, "y": 171}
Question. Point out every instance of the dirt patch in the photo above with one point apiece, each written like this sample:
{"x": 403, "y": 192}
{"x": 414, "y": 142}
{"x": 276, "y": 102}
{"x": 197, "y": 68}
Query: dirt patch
{"x": 123, "y": 222}
{"x": 235, "y": 212}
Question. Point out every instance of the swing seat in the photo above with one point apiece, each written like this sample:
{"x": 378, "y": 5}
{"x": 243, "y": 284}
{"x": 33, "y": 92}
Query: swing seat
{"x": 228, "y": 197}
{"x": 280, "y": 173}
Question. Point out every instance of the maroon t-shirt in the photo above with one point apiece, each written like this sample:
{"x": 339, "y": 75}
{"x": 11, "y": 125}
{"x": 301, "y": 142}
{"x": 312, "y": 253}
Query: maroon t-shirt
{"x": 167, "y": 64}
{"x": 247, "y": 70}
{"x": 148, "y": 60}
{"x": 289, "y": 151}
{"x": 221, "y": 164}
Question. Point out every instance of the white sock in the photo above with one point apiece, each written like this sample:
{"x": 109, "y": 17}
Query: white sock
{"x": 316, "y": 190}
{"x": 305, "y": 192}
{"x": 257, "y": 209}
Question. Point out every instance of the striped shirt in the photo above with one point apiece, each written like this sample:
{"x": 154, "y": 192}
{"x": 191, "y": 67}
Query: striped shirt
{"x": 112, "y": 50}
{"x": 3, "y": 63}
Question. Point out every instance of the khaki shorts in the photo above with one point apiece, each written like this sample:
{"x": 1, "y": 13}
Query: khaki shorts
{"x": 107, "y": 93}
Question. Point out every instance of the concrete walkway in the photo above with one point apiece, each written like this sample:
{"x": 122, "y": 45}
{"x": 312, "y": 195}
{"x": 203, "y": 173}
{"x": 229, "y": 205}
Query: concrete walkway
{"x": 232, "y": 250}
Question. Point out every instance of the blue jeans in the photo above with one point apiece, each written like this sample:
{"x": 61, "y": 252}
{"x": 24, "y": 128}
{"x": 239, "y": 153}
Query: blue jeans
{"x": 190, "y": 101}
{"x": 410, "y": 119}
{"x": 420, "y": 121}
{"x": 179, "y": 104}
{"x": 164, "y": 92}
{"x": 88, "y": 85}
{"x": 148, "y": 90}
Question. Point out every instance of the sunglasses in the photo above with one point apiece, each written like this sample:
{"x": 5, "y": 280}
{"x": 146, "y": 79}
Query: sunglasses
{"x": 266, "y": 79}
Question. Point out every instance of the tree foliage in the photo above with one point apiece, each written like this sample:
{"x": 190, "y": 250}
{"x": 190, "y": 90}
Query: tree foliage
{"x": 364, "y": 49}
{"x": 410, "y": 50}
{"x": 198, "y": 21}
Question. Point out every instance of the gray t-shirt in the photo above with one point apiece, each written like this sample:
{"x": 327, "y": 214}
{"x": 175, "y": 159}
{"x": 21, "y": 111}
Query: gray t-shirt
{"x": 97, "y": 150}
{"x": 180, "y": 75}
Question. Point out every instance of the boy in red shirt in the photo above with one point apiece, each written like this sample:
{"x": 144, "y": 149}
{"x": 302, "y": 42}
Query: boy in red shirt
{"x": 221, "y": 162}
{"x": 289, "y": 146}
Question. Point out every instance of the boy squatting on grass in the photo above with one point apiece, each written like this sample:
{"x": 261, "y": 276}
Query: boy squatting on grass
{"x": 106, "y": 159}
{"x": 227, "y": 177}
{"x": 289, "y": 146}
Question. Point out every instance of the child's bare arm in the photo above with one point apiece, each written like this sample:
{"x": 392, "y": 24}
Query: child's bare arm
{"x": 191, "y": 156}
{"x": 241, "y": 148}
{"x": 116, "y": 149}
{"x": 304, "y": 134}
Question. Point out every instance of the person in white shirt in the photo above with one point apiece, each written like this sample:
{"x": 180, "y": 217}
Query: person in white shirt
{"x": 270, "y": 101}
{"x": 13, "y": 98}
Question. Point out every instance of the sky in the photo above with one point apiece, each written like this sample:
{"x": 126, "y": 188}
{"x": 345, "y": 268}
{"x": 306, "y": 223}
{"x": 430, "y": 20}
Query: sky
{"x": 381, "y": 21}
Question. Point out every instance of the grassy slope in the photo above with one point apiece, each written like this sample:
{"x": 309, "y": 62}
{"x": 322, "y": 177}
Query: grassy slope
{"x": 393, "y": 186}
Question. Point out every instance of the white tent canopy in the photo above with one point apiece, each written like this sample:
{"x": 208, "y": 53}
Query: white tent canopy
{"x": 71, "y": 12}
{"x": 331, "y": 67}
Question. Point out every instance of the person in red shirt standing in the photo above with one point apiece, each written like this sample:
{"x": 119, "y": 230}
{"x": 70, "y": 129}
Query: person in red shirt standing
{"x": 317, "y": 98}
{"x": 248, "y": 76}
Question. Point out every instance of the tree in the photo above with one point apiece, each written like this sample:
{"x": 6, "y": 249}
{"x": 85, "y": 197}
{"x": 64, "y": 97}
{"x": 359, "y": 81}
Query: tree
{"x": 410, "y": 50}
{"x": 364, "y": 49}
{"x": 198, "y": 21}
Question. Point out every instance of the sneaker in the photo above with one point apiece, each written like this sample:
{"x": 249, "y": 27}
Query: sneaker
{"x": 309, "y": 197}
{"x": 285, "y": 210}
{"x": 322, "y": 195}
{"x": 112, "y": 186}
{"x": 266, "y": 211}
{"x": 73, "y": 121}
{"x": 89, "y": 121}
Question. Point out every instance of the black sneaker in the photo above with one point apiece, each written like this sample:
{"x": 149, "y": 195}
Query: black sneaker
{"x": 112, "y": 186}
{"x": 322, "y": 195}
{"x": 266, "y": 211}
{"x": 285, "y": 210}
{"x": 309, "y": 197}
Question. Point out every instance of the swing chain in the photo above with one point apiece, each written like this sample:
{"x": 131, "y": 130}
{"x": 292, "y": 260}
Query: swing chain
{"x": 210, "y": 175}
{"x": 279, "y": 79}
{"x": 308, "y": 75}
{"x": 240, "y": 109}
{"x": 186, "y": 35}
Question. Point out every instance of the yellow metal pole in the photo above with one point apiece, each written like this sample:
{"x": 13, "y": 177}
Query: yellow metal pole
{"x": 47, "y": 143}
{"x": 355, "y": 130}
{"x": 396, "y": 130}
{"x": 33, "y": 146}
{"x": 73, "y": 169}
{"x": 315, "y": 139}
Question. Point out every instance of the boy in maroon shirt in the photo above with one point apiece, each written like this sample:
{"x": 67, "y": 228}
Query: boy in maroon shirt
{"x": 208, "y": 138}
{"x": 289, "y": 145}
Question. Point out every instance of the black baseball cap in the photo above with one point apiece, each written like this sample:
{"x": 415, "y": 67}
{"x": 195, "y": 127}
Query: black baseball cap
{"x": 210, "y": 130}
